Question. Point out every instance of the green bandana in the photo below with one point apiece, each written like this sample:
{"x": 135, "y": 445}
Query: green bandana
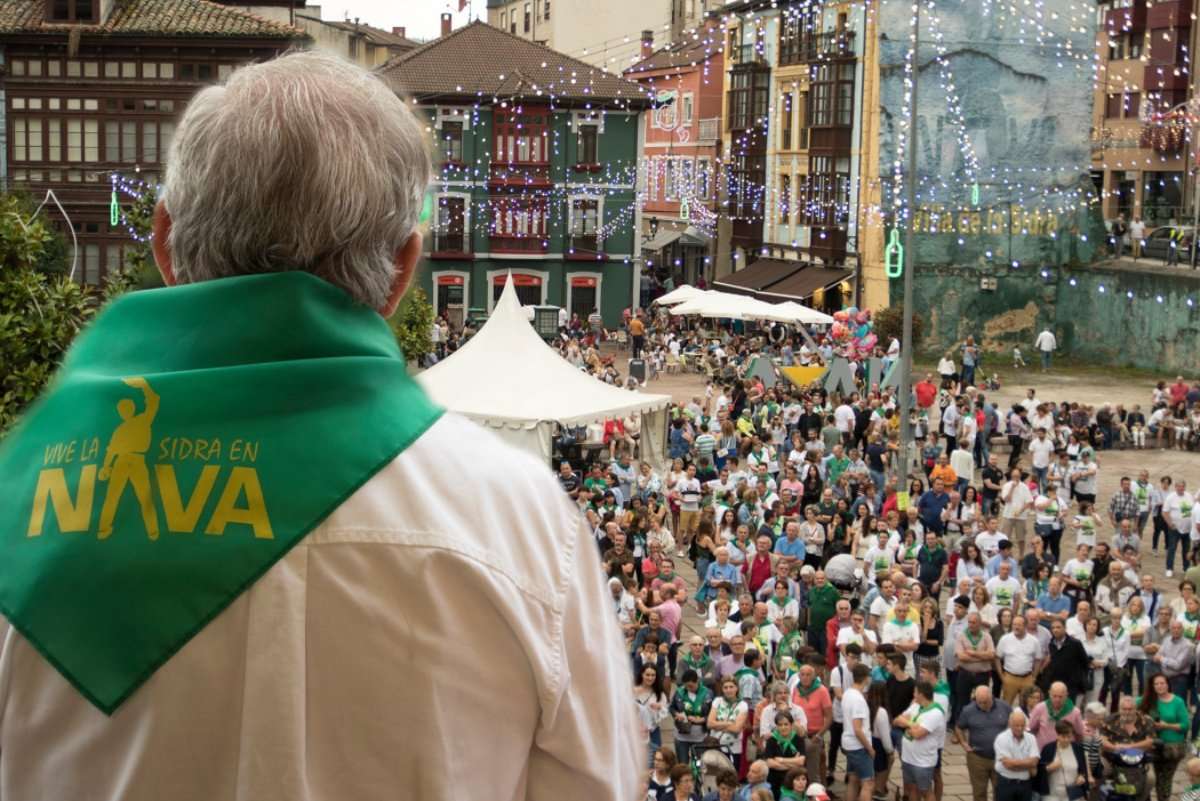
{"x": 1067, "y": 707}
{"x": 941, "y": 688}
{"x": 806, "y": 691}
{"x": 163, "y": 474}
{"x": 698, "y": 665}
{"x": 693, "y": 706}
{"x": 785, "y": 745}
{"x": 786, "y": 793}
{"x": 917, "y": 717}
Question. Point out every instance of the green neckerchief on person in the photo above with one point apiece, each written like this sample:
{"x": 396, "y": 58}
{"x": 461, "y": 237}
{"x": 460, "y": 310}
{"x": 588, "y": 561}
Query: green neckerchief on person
{"x": 921, "y": 711}
{"x": 786, "y": 745}
{"x": 693, "y": 706}
{"x": 1067, "y": 707}
{"x": 785, "y": 793}
{"x": 699, "y": 665}
{"x": 191, "y": 438}
{"x": 973, "y": 638}
{"x": 942, "y": 688}
{"x": 812, "y": 688}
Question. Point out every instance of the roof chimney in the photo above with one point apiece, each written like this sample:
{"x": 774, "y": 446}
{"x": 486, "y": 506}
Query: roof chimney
{"x": 446, "y": 18}
{"x": 647, "y": 44}
{"x": 399, "y": 31}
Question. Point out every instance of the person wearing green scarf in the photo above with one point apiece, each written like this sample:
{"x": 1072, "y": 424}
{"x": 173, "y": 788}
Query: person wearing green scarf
{"x": 1057, "y": 706}
{"x": 783, "y": 751}
{"x": 225, "y": 518}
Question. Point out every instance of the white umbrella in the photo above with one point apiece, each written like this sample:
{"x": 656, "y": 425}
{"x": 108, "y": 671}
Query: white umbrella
{"x": 803, "y": 314}
{"x": 679, "y": 294}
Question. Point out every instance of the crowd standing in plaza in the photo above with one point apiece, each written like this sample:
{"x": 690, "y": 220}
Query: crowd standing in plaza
{"x": 855, "y": 619}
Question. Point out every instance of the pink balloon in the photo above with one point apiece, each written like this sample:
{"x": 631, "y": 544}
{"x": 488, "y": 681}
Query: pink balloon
{"x": 868, "y": 342}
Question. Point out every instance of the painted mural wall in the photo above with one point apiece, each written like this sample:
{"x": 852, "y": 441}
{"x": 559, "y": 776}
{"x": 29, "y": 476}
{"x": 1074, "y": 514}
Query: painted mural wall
{"x": 1002, "y": 126}
{"x": 1147, "y": 317}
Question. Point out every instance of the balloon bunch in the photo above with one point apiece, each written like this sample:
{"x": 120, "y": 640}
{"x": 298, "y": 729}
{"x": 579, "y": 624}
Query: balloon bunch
{"x": 852, "y": 330}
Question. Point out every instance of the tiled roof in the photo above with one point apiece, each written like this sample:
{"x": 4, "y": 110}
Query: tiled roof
{"x": 376, "y": 36}
{"x": 152, "y": 18}
{"x": 479, "y": 60}
{"x": 688, "y": 52}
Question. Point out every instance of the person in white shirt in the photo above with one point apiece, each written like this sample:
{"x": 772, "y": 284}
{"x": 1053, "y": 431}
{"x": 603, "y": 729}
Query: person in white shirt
{"x": 988, "y": 540}
{"x": 1045, "y": 344}
{"x": 856, "y": 737}
{"x": 883, "y": 603}
{"x": 1017, "y": 500}
{"x": 331, "y": 672}
{"x": 1041, "y": 448}
{"x": 879, "y": 558}
{"x": 843, "y": 418}
{"x": 1016, "y": 760}
{"x": 1177, "y": 511}
{"x": 924, "y": 725}
{"x": 858, "y": 634}
{"x": 1005, "y": 590}
{"x": 1077, "y": 624}
{"x": 1019, "y": 654}
{"x": 900, "y": 630}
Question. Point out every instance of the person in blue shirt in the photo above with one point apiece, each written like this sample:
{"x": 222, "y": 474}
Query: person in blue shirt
{"x": 1053, "y": 603}
{"x": 930, "y": 507}
{"x": 790, "y": 547}
{"x": 720, "y": 570}
{"x": 992, "y": 567}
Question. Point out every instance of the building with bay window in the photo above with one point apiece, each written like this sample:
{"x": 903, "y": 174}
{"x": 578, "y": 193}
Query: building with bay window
{"x": 93, "y": 88}
{"x": 795, "y": 81}
{"x": 536, "y": 162}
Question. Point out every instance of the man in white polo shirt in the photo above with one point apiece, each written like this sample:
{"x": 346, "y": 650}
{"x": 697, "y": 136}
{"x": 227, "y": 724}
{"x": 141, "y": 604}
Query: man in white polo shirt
{"x": 925, "y": 724}
{"x": 1016, "y": 760}
{"x": 1019, "y": 653}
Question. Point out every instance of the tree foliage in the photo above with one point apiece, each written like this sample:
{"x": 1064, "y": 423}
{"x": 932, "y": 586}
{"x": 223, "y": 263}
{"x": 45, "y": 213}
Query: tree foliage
{"x": 889, "y": 322}
{"x": 413, "y": 323}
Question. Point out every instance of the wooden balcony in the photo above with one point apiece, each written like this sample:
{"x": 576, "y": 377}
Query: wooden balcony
{"x": 519, "y": 174}
{"x": 501, "y": 243}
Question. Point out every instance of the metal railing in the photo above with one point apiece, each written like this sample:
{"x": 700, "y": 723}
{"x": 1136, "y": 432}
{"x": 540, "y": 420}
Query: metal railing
{"x": 832, "y": 44}
{"x": 710, "y": 129}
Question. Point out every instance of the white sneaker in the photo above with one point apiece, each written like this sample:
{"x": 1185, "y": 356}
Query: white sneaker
{"x": 1169, "y": 574}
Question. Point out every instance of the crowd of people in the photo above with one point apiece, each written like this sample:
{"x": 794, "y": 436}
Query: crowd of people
{"x": 857, "y": 618}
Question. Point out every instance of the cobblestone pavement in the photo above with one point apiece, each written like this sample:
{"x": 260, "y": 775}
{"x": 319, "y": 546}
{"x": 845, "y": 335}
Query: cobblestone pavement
{"x": 1052, "y": 386}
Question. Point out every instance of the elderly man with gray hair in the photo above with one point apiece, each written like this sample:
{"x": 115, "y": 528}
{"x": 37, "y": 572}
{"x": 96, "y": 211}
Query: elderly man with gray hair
{"x": 277, "y": 639}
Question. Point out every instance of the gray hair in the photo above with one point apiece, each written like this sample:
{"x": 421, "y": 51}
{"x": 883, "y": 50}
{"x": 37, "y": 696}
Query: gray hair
{"x": 305, "y": 162}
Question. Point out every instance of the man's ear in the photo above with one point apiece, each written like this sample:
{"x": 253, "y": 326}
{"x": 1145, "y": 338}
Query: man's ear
{"x": 406, "y": 267}
{"x": 161, "y": 226}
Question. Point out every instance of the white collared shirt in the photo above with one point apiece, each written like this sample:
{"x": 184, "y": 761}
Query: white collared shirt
{"x": 376, "y": 659}
{"x": 1008, "y": 747}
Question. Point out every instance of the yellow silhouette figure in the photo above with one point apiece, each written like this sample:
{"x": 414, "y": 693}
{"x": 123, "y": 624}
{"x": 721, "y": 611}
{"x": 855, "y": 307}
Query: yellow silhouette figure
{"x": 125, "y": 460}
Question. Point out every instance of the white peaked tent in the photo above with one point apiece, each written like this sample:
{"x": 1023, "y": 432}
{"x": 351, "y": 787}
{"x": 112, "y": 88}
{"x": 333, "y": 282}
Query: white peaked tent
{"x": 507, "y": 379}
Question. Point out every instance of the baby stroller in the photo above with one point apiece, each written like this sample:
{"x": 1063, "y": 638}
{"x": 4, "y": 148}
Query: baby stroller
{"x": 1125, "y": 779}
{"x": 709, "y": 759}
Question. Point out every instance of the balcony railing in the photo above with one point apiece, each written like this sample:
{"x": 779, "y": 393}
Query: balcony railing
{"x": 502, "y": 243}
{"x": 584, "y": 245}
{"x": 449, "y": 242}
{"x": 520, "y": 173}
{"x": 832, "y": 44}
{"x": 710, "y": 129}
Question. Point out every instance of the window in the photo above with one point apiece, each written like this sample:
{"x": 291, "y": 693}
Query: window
{"x": 91, "y": 264}
{"x": 666, "y": 114}
{"x": 831, "y": 95}
{"x": 747, "y": 99}
{"x": 503, "y": 20}
{"x": 1125, "y": 45}
{"x": 703, "y": 179}
{"x": 528, "y": 17}
{"x": 585, "y": 225}
{"x": 746, "y": 177}
{"x": 72, "y": 10}
{"x": 519, "y": 223}
{"x": 450, "y": 234}
{"x": 20, "y": 148}
{"x": 744, "y": 43}
{"x": 688, "y": 103}
{"x": 795, "y": 34}
{"x": 452, "y": 142}
{"x": 801, "y": 110}
{"x": 521, "y": 137}
{"x": 589, "y": 138}
{"x": 824, "y": 197}
{"x": 54, "y": 131}
{"x": 785, "y": 114}
{"x": 545, "y": 9}
{"x": 785, "y": 199}
{"x": 150, "y": 69}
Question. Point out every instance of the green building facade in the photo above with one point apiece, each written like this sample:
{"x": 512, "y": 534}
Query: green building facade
{"x": 536, "y": 164}
{"x": 563, "y": 227}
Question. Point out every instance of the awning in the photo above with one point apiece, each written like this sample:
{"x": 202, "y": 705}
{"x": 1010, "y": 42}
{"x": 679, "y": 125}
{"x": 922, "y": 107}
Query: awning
{"x": 760, "y": 275}
{"x": 662, "y": 240}
{"x": 802, "y": 284}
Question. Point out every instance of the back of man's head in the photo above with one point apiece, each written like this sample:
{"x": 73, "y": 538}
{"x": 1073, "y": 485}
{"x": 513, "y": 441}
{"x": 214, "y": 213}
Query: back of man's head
{"x": 305, "y": 162}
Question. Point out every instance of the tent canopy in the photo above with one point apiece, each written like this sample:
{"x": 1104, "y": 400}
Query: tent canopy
{"x": 678, "y": 295}
{"x": 506, "y": 375}
{"x": 744, "y": 307}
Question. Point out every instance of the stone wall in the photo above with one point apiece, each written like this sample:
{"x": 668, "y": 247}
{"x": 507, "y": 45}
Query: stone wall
{"x": 1089, "y": 309}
